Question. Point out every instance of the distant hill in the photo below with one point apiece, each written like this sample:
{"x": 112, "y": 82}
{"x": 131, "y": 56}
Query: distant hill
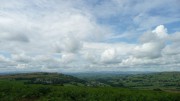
{"x": 147, "y": 80}
{"x": 163, "y": 80}
{"x": 43, "y": 78}
{"x": 105, "y": 74}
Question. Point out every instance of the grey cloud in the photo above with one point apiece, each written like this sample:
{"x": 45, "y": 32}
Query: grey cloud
{"x": 175, "y": 37}
{"x": 6, "y": 62}
{"x": 3, "y": 59}
{"x": 159, "y": 34}
{"x": 68, "y": 58}
{"x": 68, "y": 44}
{"x": 152, "y": 43}
{"x": 148, "y": 37}
{"x": 14, "y": 37}
{"x": 149, "y": 50}
{"x": 173, "y": 47}
{"x": 22, "y": 58}
{"x": 19, "y": 38}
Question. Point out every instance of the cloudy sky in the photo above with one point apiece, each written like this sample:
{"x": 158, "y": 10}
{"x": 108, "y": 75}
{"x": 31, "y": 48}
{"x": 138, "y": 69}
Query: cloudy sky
{"x": 89, "y": 35}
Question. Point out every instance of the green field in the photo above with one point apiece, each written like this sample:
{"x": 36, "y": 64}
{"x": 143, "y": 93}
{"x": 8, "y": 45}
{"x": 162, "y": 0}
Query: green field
{"x": 44, "y": 87}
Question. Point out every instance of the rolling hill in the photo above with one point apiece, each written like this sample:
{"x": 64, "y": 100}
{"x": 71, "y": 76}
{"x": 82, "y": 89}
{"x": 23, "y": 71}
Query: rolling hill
{"x": 43, "y": 78}
{"x": 61, "y": 87}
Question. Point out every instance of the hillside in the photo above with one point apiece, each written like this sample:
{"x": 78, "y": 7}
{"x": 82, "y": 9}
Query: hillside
{"x": 60, "y": 87}
{"x": 17, "y": 91}
{"x": 163, "y": 80}
{"x": 43, "y": 78}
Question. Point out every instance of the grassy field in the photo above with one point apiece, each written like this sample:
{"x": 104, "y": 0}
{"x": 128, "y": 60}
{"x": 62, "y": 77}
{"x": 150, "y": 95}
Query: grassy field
{"x": 16, "y": 88}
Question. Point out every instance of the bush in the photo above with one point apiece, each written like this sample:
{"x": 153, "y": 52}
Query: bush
{"x": 157, "y": 89}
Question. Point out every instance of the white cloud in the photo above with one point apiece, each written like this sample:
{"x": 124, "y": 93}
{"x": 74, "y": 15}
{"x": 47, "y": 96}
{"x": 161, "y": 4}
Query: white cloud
{"x": 160, "y": 32}
{"x": 108, "y": 55}
{"x": 86, "y": 35}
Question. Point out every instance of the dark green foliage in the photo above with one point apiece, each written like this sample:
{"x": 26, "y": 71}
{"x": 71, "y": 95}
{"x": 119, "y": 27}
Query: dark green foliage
{"x": 157, "y": 89}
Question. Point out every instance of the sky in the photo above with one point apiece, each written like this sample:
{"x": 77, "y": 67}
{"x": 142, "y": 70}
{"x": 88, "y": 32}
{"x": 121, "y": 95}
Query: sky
{"x": 89, "y": 35}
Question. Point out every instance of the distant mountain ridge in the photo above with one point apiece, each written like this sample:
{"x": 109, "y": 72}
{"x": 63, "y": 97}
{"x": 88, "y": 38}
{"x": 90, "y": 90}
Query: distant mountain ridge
{"x": 108, "y": 73}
